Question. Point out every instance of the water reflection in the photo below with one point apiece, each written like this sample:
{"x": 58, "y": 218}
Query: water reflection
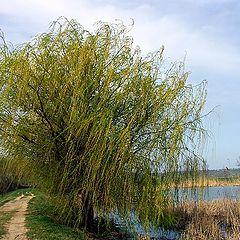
{"x": 132, "y": 225}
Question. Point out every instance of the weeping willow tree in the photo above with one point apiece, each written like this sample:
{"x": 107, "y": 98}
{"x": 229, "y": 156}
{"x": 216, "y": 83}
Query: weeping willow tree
{"x": 96, "y": 124}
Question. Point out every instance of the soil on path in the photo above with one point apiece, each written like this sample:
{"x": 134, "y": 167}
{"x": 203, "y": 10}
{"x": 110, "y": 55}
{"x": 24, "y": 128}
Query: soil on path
{"x": 16, "y": 228}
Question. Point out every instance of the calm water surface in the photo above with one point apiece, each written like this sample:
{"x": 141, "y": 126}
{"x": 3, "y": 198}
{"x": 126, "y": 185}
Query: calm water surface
{"x": 210, "y": 193}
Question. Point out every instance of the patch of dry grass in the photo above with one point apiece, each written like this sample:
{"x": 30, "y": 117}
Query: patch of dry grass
{"x": 215, "y": 220}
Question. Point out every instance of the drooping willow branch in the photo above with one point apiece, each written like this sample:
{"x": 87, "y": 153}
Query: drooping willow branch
{"x": 96, "y": 124}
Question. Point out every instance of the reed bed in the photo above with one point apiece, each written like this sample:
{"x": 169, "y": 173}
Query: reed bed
{"x": 210, "y": 182}
{"x": 216, "y": 220}
{"x": 223, "y": 182}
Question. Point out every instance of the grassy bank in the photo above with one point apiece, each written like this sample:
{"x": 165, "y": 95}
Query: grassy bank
{"x": 41, "y": 225}
{"x": 38, "y": 221}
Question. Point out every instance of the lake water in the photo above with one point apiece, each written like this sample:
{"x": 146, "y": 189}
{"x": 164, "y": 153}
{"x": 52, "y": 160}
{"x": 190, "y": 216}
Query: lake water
{"x": 206, "y": 194}
{"x": 210, "y": 193}
{"x": 133, "y": 226}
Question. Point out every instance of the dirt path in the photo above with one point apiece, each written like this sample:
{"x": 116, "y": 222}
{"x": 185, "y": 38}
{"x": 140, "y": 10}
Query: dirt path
{"x": 16, "y": 226}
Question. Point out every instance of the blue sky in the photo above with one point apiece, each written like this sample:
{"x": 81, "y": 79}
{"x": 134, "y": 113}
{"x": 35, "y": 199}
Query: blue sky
{"x": 206, "y": 32}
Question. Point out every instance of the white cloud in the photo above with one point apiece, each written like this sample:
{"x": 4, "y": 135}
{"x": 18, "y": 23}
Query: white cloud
{"x": 202, "y": 50}
{"x": 151, "y": 29}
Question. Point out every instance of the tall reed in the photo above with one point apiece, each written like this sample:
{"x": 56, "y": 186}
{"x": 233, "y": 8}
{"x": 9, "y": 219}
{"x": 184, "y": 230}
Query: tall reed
{"x": 215, "y": 220}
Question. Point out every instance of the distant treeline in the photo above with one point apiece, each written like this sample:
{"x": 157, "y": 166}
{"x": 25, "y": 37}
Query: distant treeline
{"x": 223, "y": 173}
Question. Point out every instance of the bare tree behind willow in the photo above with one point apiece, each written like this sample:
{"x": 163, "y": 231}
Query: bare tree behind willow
{"x": 95, "y": 123}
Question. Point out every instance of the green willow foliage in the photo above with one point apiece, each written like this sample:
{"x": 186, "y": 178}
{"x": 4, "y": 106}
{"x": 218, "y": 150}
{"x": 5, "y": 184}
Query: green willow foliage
{"x": 95, "y": 123}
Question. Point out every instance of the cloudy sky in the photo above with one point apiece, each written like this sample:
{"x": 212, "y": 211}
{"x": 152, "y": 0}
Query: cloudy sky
{"x": 206, "y": 32}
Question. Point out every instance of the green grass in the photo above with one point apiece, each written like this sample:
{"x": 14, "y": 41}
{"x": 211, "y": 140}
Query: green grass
{"x": 40, "y": 224}
{"x": 12, "y": 195}
{"x": 4, "y": 217}
{"x": 42, "y": 227}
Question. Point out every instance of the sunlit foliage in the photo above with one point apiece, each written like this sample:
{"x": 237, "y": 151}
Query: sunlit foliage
{"x": 96, "y": 123}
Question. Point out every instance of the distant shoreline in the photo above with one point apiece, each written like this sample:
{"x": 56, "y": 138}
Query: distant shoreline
{"x": 222, "y": 182}
{"x": 212, "y": 182}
